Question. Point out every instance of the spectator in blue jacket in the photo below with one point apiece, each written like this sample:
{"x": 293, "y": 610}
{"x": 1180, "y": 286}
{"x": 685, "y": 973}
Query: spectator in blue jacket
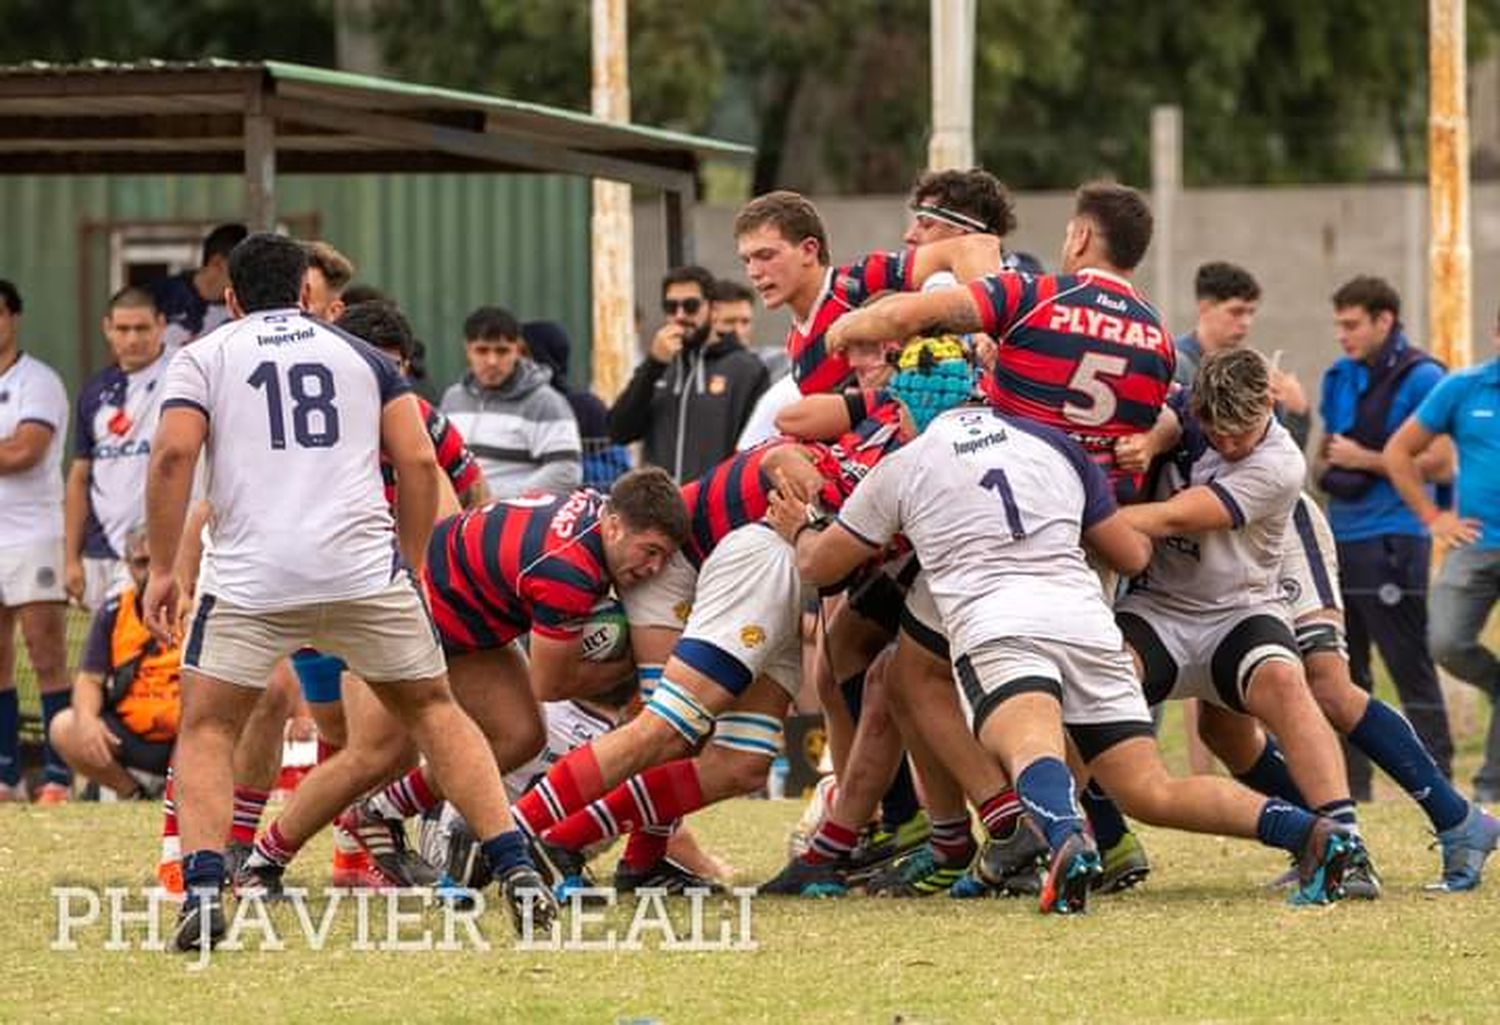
{"x": 1383, "y": 548}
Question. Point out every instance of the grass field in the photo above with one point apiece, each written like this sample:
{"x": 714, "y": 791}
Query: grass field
{"x": 1203, "y": 940}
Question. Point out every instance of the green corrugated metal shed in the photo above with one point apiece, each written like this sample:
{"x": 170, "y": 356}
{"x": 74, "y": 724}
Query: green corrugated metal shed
{"x": 441, "y": 244}
{"x": 445, "y": 199}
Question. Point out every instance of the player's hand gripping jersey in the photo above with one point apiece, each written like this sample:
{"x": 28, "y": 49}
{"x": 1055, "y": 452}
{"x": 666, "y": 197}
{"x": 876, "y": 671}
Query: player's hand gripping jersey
{"x": 994, "y": 507}
{"x": 1080, "y": 352}
{"x": 815, "y": 369}
{"x": 1235, "y": 568}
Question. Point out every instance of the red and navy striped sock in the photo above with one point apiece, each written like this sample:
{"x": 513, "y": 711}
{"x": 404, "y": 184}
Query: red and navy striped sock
{"x": 568, "y": 786}
{"x": 248, "y": 805}
{"x": 656, "y": 797}
{"x": 1000, "y": 813}
{"x": 409, "y": 796}
{"x": 831, "y": 842}
{"x": 952, "y": 840}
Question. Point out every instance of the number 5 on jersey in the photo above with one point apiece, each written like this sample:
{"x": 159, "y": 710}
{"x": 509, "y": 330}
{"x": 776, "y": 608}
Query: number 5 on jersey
{"x": 1088, "y": 379}
{"x": 315, "y": 421}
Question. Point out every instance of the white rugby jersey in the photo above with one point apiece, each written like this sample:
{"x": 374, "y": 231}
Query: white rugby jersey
{"x": 117, "y": 414}
{"x": 31, "y": 501}
{"x": 1238, "y": 567}
{"x": 994, "y": 507}
{"x": 293, "y": 407}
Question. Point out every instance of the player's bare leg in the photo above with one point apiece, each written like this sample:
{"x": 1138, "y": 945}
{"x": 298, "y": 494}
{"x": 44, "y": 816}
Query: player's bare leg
{"x": 494, "y": 688}
{"x": 213, "y": 714}
{"x": 42, "y": 630}
{"x": 1133, "y": 774}
{"x": 1277, "y": 694}
{"x": 379, "y": 749}
{"x": 849, "y": 644}
{"x": 685, "y": 703}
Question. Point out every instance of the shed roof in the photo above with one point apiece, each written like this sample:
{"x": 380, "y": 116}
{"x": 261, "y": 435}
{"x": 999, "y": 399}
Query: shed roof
{"x": 165, "y": 117}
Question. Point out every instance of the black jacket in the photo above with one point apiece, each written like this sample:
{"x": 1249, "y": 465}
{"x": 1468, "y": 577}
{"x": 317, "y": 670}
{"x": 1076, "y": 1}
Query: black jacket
{"x": 690, "y": 411}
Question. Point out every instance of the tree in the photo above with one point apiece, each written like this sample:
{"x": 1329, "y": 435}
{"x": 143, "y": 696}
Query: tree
{"x": 125, "y": 30}
{"x": 834, "y": 94}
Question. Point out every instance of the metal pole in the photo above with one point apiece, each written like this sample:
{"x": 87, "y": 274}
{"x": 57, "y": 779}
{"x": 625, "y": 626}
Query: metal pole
{"x": 260, "y": 165}
{"x": 952, "y": 143}
{"x": 1448, "y": 183}
{"x": 1166, "y": 188}
{"x": 613, "y": 227}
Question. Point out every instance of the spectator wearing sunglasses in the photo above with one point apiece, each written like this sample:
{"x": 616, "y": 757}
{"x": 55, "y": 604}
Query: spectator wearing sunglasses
{"x": 691, "y": 395}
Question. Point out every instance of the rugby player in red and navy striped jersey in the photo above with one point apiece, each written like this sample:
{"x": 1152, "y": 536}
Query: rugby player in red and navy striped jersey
{"x": 1081, "y": 351}
{"x": 383, "y": 325}
{"x": 784, "y": 247}
{"x": 537, "y": 564}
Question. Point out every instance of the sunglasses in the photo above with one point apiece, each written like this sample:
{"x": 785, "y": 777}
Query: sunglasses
{"x": 688, "y": 306}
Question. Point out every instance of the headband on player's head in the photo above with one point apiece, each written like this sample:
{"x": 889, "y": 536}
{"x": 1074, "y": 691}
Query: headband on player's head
{"x": 954, "y": 218}
{"x": 935, "y": 376}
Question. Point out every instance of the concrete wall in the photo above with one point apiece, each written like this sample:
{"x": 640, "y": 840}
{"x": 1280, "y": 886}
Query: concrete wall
{"x": 1301, "y": 243}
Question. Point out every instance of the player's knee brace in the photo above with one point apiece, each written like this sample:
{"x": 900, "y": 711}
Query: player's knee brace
{"x": 675, "y": 705}
{"x": 749, "y": 732}
{"x": 649, "y": 675}
{"x": 319, "y": 675}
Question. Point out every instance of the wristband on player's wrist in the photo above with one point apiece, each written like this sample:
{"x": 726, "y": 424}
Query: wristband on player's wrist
{"x": 1429, "y": 516}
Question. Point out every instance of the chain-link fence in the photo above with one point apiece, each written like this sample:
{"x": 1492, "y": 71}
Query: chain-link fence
{"x": 25, "y": 676}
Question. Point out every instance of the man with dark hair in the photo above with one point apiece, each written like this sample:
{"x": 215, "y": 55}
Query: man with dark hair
{"x": 732, "y": 310}
{"x": 1384, "y": 551}
{"x": 193, "y": 302}
{"x": 970, "y": 201}
{"x": 1228, "y": 299}
{"x": 1083, "y": 351}
{"x": 121, "y": 727}
{"x": 522, "y": 431}
{"x": 117, "y": 411}
{"x": 292, "y": 417}
{"x": 33, "y": 423}
{"x": 691, "y": 395}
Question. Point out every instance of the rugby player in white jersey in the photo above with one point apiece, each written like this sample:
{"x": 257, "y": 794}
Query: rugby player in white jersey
{"x": 995, "y": 508}
{"x": 1304, "y": 582}
{"x": 1206, "y": 619}
{"x": 293, "y": 416}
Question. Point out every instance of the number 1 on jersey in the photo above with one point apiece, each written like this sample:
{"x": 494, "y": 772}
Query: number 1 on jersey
{"x": 995, "y": 480}
{"x": 304, "y": 404}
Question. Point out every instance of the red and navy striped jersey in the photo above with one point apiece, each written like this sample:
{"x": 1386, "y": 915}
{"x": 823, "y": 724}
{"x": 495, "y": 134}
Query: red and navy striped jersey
{"x": 529, "y": 563}
{"x": 846, "y": 462}
{"x": 1080, "y": 352}
{"x": 729, "y": 496}
{"x": 453, "y": 454}
{"x": 814, "y": 368}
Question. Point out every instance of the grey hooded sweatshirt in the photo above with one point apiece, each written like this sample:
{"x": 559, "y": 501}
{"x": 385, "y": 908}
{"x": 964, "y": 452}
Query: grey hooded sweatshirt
{"x": 523, "y": 432}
